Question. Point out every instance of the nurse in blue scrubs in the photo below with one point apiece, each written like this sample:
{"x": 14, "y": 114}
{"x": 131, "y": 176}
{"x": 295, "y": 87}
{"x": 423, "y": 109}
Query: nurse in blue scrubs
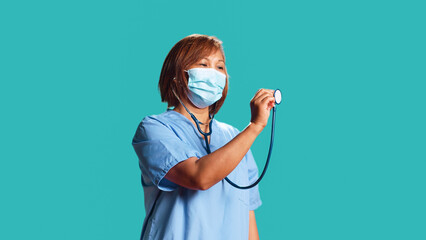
{"x": 186, "y": 196}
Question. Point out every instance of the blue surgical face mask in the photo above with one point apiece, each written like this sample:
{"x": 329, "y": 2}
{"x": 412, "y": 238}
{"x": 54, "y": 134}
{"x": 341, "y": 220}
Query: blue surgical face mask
{"x": 205, "y": 86}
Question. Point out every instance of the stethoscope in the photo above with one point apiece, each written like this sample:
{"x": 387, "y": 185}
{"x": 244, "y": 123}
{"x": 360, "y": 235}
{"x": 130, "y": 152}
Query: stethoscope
{"x": 278, "y": 99}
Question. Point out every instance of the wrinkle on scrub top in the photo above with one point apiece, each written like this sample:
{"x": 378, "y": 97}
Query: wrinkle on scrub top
{"x": 220, "y": 212}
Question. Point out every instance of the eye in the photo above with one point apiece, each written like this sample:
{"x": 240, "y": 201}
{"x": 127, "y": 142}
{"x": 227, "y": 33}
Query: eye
{"x": 203, "y": 64}
{"x": 221, "y": 68}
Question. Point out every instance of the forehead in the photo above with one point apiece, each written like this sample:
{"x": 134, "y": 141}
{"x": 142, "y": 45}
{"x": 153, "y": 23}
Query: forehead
{"x": 213, "y": 55}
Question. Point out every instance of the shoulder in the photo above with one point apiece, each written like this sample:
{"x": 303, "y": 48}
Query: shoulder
{"x": 164, "y": 119}
{"x": 154, "y": 126}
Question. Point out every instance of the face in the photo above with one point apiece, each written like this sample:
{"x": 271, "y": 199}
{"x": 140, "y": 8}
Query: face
{"x": 214, "y": 61}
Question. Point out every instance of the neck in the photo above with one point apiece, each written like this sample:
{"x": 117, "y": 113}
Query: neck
{"x": 202, "y": 114}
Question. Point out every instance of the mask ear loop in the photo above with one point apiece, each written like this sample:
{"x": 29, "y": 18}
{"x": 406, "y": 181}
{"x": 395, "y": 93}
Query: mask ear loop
{"x": 192, "y": 115}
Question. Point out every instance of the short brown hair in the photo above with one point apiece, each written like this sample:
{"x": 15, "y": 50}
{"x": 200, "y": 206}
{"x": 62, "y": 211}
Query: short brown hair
{"x": 184, "y": 53}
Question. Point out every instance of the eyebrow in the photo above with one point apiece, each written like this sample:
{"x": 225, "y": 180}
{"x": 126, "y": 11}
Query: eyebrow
{"x": 218, "y": 60}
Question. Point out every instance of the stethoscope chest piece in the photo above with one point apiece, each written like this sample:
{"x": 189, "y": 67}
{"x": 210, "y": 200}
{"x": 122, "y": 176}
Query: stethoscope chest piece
{"x": 277, "y": 96}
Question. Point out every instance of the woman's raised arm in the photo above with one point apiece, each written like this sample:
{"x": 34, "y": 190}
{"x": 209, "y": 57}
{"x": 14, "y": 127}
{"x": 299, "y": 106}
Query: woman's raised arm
{"x": 202, "y": 173}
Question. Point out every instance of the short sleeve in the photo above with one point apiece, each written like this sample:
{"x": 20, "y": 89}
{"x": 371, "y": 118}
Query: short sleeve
{"x": 253, "y": 173}
{"x": 159, "y": 149}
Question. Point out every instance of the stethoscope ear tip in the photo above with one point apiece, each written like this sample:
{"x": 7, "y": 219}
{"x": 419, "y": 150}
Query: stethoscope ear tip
{"x": 277, "y": 96}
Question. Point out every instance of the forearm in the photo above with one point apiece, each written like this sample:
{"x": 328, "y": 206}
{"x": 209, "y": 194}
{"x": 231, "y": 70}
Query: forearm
{"x": 214, "y": 167}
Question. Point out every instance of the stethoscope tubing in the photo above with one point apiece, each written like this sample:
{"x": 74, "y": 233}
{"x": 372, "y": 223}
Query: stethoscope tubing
{"x": 267, "y": 159}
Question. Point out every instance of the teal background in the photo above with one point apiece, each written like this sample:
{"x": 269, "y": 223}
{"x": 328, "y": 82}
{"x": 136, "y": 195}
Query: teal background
{"x": 78, "y": 76}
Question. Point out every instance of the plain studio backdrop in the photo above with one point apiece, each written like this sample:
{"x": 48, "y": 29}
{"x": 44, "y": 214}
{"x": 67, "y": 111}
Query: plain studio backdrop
{"x": 77, "y": 77}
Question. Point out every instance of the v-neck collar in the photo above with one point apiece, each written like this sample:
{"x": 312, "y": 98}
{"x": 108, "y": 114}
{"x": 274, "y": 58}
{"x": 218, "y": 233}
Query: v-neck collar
{"x": 214, "y": 125}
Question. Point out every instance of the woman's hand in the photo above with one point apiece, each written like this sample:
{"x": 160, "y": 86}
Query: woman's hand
{"x": 261, "y": 105}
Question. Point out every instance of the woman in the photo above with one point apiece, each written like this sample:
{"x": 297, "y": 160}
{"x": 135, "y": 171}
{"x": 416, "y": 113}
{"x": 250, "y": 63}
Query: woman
{"x": 186, "y": 196}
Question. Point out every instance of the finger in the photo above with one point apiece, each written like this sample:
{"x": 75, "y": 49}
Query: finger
{"x": 267, "y": 90}
{"x": 262, "y": 96}
{"x": 264, "y": 90}
{"x": 268, "y": 100}
{"x": 267, "y": 97}
{"x": 259, "y": 92}
{"x": 271, "y": 104}
{"x": 257, "y": 95}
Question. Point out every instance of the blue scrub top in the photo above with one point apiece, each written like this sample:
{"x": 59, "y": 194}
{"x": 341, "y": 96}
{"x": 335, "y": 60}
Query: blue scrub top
{"x": 220, "y": 212}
